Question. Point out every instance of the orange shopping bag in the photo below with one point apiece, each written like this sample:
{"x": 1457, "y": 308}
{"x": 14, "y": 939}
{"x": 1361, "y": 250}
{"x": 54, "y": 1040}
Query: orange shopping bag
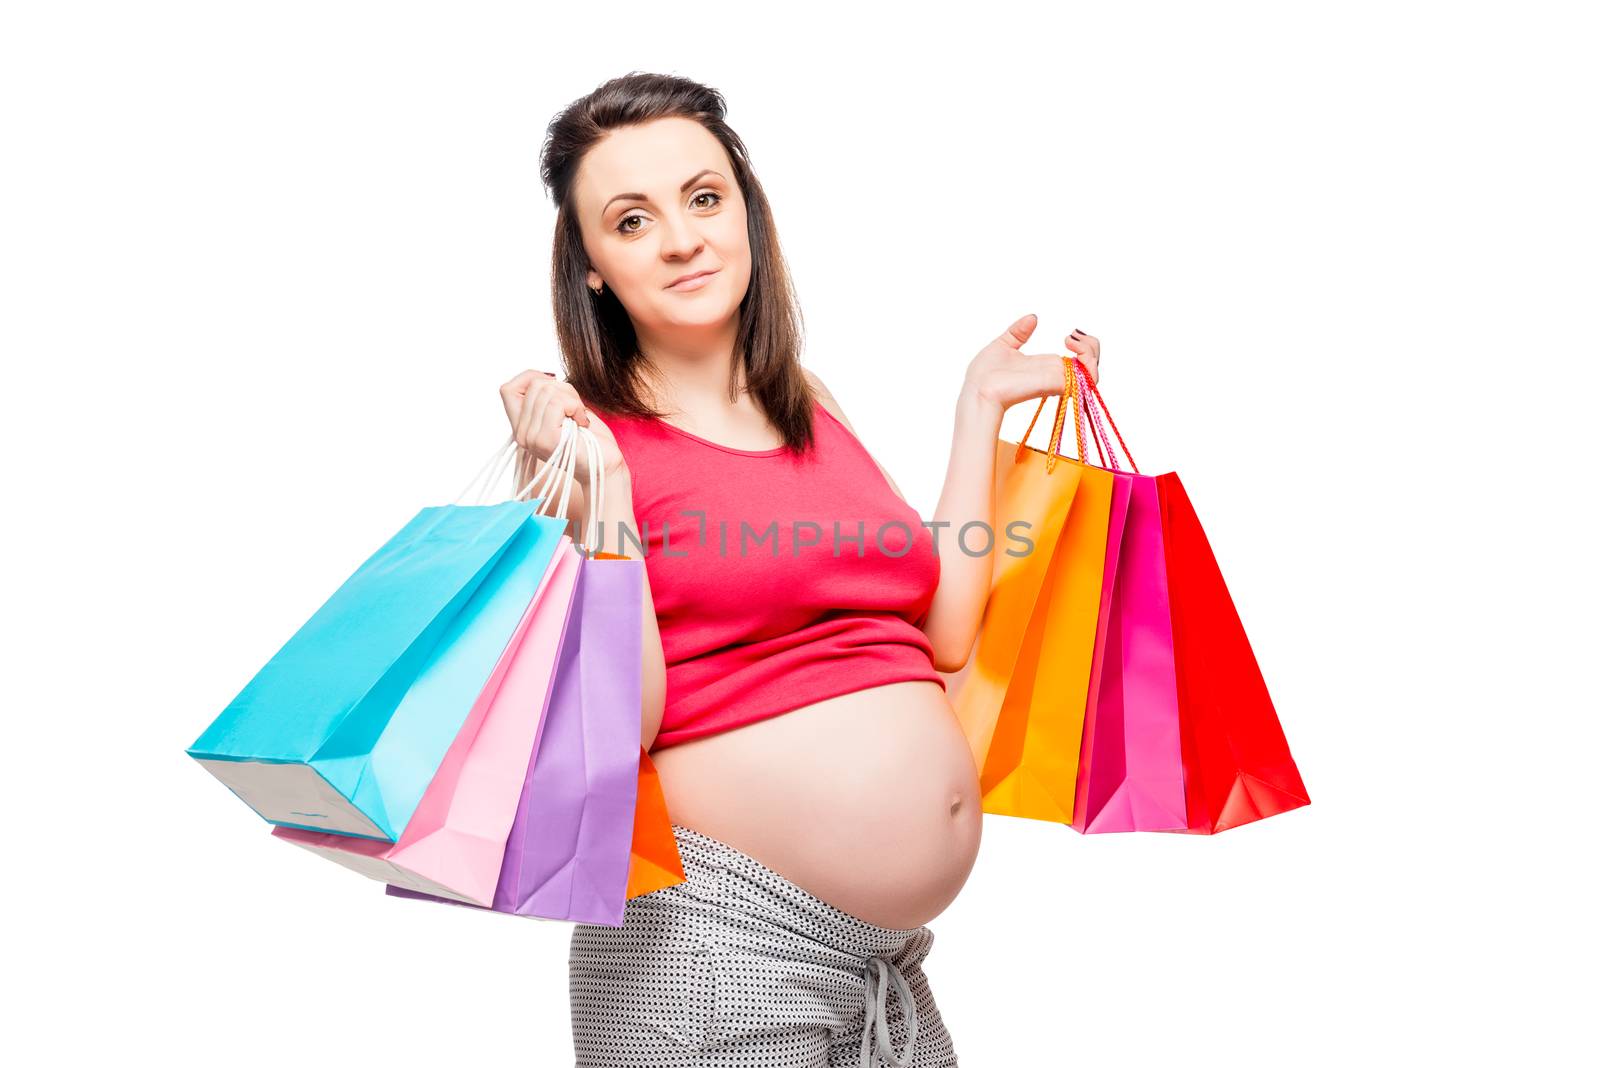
{"x": 654, "y": 862}
{"x": 1021, "y": 698}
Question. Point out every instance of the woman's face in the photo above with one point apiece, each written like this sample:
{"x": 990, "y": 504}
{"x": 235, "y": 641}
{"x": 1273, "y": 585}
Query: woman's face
{"x": 655, "y": 202}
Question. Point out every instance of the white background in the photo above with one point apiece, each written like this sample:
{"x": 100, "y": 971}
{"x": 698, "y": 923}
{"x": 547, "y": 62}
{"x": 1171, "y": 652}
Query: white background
{"x": 265, "y": 266}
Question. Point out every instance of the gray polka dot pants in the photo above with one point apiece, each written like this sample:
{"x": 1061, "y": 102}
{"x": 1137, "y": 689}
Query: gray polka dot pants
{"x": 740, "y": 968}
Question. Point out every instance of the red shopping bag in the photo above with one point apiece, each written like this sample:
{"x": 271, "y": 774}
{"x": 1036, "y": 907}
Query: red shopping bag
{"x": 1236, "y": 761}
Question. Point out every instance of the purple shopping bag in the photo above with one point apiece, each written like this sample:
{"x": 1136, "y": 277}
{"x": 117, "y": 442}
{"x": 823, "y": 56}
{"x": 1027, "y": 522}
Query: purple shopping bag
{"x": 567, "y": 855}
{"x": 1130, "y": 774}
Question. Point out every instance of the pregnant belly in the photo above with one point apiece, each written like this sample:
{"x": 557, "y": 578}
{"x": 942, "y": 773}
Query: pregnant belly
{"x": 868, "y": 800}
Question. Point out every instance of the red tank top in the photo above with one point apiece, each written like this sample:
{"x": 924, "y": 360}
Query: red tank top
{"x": 778, "y": 579}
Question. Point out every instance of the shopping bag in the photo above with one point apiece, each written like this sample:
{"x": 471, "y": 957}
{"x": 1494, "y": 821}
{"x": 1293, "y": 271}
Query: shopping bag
{"x": 344, "y": 727}
{"x": 1235, "y": 759}
{"x": 1095, "y": 784}
{"x": 1028, "y": 684}
{"x": 455, "y": 842}
{"x": 567, "y": 856}
{"x": 654, "y": 862}
{"x": 1130, "y": 772}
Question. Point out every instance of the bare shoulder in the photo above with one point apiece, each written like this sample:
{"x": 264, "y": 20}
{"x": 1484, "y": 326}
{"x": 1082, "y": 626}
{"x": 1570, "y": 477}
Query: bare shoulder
{"x": 828, "y": 402}
{"x": 827, "y": 398}
{"x": 816, "y": 383}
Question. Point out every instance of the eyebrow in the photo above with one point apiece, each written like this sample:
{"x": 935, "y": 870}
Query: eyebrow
{"x": 684, "y": 188}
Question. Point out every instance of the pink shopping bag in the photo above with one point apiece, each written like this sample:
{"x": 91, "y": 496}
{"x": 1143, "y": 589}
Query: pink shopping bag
{"x": 1130, "y": 776}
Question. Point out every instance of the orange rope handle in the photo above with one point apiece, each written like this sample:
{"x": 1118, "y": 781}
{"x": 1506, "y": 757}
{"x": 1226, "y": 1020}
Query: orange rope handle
{"x": 1072, "y": 396}
{"x": 1069, "y": 392}
{"x": 1100, "y": 402}
{"x": 1022, "y": 446}
{"x": 1061, "y": 415}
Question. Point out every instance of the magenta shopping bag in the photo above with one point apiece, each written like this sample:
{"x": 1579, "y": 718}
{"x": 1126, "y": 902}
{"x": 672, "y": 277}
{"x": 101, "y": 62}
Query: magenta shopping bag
{"x": 1130, "y": 774}
{"x": 567, "y": 854}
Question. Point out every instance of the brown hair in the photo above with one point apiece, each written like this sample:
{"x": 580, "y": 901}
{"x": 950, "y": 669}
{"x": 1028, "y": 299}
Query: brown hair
{"x": 599, "y": 349}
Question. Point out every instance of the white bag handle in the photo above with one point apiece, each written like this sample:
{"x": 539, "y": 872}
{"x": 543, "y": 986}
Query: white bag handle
{"x": 559, "y": 461}
{"x": 498, "y": 461}
{"x": 561, "y": 464}
{"x": 564, "y": 461}
{"x": 597, "y": 490}
{"x": 500, "y": 454}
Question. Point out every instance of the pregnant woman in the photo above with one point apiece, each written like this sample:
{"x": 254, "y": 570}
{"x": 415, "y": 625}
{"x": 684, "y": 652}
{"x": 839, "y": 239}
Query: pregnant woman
{"x": 800, "y": 617}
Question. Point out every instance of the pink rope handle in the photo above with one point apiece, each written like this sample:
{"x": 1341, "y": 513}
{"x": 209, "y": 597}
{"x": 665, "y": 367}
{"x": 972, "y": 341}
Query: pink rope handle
{"x": 1099, "y": 400}
{"x": 1097, "y": 417}
{"x": 1099, "y": 403}
{"x": 1084, "y": 413}
{"x": 1102, "y": 440}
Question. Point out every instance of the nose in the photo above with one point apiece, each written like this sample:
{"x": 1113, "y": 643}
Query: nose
{"x": 679, "y": 239}
{"x": 875, "y": 1036}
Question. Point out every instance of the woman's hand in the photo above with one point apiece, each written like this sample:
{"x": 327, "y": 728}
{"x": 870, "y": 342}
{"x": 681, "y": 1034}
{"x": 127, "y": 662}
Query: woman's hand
{"x": 1003, "y": 375}
{"x": 536, "y": 402}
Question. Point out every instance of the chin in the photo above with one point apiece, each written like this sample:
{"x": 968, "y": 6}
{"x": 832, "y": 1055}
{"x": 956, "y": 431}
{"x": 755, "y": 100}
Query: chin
{"x": 707, "y": 316}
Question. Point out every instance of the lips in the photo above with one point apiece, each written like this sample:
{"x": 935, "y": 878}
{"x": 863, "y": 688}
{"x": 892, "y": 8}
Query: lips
{"x": 690, "y": 277}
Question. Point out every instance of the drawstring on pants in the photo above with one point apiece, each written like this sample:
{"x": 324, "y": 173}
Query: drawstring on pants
{"x": 876, "y": 1024}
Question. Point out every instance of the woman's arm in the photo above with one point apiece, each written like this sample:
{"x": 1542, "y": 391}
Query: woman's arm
{"x": 968, "y": 497}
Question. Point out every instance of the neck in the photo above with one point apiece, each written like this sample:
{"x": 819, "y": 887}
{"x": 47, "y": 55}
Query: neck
{"x": 692, "y": 371}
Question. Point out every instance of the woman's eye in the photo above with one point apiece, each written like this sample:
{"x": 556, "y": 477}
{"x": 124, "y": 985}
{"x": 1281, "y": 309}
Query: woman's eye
{"x": 622, "y": 223}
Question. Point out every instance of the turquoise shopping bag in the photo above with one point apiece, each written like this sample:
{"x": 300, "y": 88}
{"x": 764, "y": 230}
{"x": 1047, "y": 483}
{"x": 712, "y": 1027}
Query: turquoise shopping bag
{"x": 344, "y": 727}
